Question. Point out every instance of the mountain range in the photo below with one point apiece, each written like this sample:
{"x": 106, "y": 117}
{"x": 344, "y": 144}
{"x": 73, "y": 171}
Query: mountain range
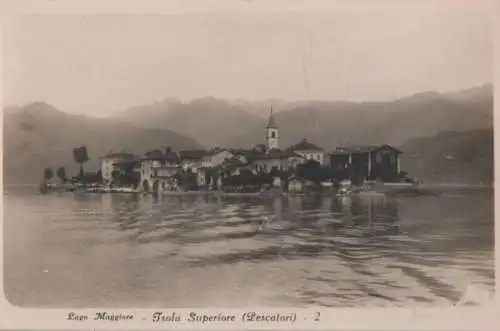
{"x": 451, "y": 157}
{"x": 38, "y": 135}
{"x": 218, "y": 122}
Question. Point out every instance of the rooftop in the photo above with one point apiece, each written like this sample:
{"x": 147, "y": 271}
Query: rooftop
{"x": 305, "y": 145}
{"x": 193, "y": 154}
{"x": 159, "y": 155}
{"x": 282, "y": 154}
{"x": 120, "y": 155}
{"x": 344, "y": 150}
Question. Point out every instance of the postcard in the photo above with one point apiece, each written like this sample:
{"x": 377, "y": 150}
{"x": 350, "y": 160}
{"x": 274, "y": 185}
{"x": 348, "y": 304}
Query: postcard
{"x": 248, "y": 165}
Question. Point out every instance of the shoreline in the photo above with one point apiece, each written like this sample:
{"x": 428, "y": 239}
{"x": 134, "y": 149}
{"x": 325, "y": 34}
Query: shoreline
{"x": 421, "y": 190}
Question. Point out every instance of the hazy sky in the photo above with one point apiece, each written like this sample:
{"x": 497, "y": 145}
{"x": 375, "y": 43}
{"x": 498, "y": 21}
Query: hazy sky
{"x": 100, "y": 64}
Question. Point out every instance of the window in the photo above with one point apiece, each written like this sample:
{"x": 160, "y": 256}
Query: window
{"x": 273, "y": 134}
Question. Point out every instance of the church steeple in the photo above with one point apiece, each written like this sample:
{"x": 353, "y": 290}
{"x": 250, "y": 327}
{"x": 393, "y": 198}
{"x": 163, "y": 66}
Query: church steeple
{"x": 271, "y": 124}
{"x": 271, "y": 132}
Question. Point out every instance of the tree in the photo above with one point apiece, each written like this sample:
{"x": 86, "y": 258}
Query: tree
{"x": 81, "y": 156}
{"x": 48, "y": 174}
{"x": 187, "y": 180}
{"x": 99, "y": 176}
{"x": 275, "y": 171}
{"x": 357, "y": 178}
{"x": 264, "y": 178}
{"x": 312, "y": 171}
{"x": 61, "y": 173}
{"x": 90, "y": 177}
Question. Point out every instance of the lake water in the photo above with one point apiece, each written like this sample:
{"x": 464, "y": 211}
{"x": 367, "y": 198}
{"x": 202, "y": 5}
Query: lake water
{"x": 70, "y": 250}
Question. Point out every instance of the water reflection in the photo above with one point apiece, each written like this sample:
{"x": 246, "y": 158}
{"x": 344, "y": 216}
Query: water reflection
{"x": 294, "y": 251}
{"x": 311, "y": 227}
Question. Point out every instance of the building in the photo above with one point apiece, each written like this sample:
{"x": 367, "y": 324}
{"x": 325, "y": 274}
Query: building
{"x": 193, "y": 159}
{"x": 296, "y": 184}
{"x": 367, "y": 162}
{"x": 308, "y": 151}
{"x": 278, "y": 159}
{"x": 158, "y": 167}
{"x": 263, "y": 157}
{"x": 109, "y": 163}
{"x": 272, "y": 132}
{"x": 216, "y": 157}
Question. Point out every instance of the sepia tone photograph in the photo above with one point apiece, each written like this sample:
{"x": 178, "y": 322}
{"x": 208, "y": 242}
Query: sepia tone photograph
{"x": 254, "y": 158}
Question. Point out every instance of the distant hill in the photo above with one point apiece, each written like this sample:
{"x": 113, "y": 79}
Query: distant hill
{"x": 38, "y": 136}
{"x": 240, "y": 123}
{"x": 451, "y": 157}
{"x": 329, "y": 124}
{"x": 212, "y": 122}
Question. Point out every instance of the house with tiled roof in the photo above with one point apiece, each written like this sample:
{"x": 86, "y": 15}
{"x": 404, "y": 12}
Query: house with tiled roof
{"x": 216, "y": 157}
{"x": 110, "y": 161}
{"x": 193, "y": 159}
{"x": 163, "y": 156}
{"x": 193, "y": 154}
{"x": 369, "y": 162}
{"x": 308, "y": 151}
{"x": 158, "y": 168}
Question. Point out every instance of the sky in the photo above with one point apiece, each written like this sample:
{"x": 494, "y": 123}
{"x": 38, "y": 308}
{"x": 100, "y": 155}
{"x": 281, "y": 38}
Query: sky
{"x": 100, "y": 64}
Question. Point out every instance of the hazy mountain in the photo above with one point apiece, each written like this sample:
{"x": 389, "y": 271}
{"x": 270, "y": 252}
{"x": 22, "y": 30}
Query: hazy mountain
{"x": 240, "y": 123}
{"x": 211, "y": 121}
{"x": 38, "y": 136}
{"x": 330, "y": 124}
{"x": 451, "y": 157}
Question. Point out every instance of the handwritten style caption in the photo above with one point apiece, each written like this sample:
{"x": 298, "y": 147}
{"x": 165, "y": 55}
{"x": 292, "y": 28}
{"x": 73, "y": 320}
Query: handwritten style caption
{"x": 194, "y": 317}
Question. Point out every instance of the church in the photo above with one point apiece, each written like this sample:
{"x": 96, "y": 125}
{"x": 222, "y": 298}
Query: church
{"x": 157, "y": 169}
{"x": 265, "y": 157}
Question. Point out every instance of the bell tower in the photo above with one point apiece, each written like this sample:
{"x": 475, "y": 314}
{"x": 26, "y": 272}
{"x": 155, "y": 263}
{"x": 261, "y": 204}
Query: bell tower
{"x": 271, "y": 132}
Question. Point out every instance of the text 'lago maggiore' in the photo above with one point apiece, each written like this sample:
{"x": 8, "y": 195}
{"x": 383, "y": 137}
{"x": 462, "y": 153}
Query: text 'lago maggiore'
{"x": 191, "y": 317}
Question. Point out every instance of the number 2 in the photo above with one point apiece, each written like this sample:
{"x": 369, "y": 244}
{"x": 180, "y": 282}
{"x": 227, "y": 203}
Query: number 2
{"x": 316, "y": 319}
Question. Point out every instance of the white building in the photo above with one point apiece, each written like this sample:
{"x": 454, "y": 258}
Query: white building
{"x": 308, "y": 151}
{"x": 216, "y": 157}
{"x": 193, "y": 159}
{"x": 157, "y": 169}
{"x": 108, "y": 164}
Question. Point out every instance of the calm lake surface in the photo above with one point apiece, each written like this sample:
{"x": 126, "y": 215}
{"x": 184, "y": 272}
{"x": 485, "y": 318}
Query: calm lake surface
{"x": 71, "y": 250}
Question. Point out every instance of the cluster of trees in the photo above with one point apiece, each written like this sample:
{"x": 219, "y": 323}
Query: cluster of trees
{"x": 313, "y": 171}
{"x": 48, "y": 174}
{"x": 80, "y": 155}
{"x": 186, "y": 179}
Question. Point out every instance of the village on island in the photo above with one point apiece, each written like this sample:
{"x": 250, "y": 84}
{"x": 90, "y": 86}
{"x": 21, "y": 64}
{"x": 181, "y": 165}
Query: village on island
{"x": 300, "y": 168}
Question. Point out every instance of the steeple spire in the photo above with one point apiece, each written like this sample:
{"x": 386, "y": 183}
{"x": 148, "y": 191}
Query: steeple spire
{"x": 271, "y": 124}
{"x": 271, "y": 132}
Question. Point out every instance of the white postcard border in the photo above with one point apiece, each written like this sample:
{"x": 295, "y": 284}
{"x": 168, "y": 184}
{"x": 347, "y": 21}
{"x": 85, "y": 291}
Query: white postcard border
{"x": 471, "y": 318}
